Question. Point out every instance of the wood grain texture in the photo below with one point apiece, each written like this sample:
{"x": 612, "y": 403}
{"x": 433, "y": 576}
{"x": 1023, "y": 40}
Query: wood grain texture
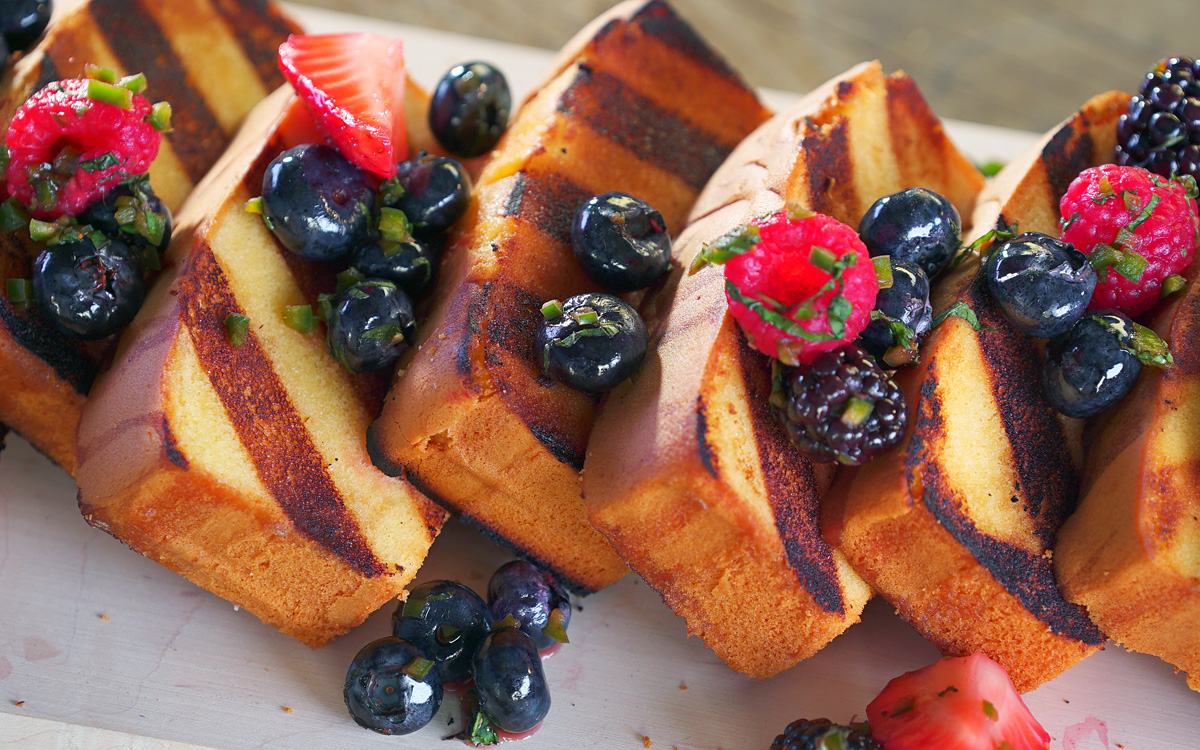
{"x": 1010, "y": 64}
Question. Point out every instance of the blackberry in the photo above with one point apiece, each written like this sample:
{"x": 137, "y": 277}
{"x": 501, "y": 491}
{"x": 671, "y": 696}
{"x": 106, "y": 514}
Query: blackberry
{"x": 1161, "y": 130}
{"x": 843, "y": 407}
{"x": 817, "y": 734}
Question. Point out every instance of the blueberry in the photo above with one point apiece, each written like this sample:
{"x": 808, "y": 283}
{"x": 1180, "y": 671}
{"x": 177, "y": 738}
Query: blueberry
{"x": 432, "y": 191}
{"x": 88, "y": 286}
{"x": 370, "y": 325}
{"x": 23, "y": 21}
{"x": 510, "y": 682}
{"x": 907, "y": 301}
{"x": 447, "y": 621}
{"x": 593, "y": 343}
{"x": 133, "y": 212}
{"x": 1092, "y": 366}
{"x": 621, "y": 242}
{"x": 391, "y": 688}
{"x": 1042, "y": 285}
{"x": 408, "y": 265}
{"x": 318, "y": 204}
{"x": 525, "y": 592}
{"x": 470, "y": 108}
{"x": 916, "y": 225}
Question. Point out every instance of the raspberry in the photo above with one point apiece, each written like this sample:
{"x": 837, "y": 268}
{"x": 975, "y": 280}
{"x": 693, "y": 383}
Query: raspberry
{"x": 67, "y": 150}
{"x": 1136, "y": 228}
{"x": 805, "y": 285}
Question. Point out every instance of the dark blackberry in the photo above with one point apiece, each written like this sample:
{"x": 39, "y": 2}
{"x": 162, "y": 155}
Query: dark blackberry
{"x": 843, "y": 407}
{"x": 1161, "y": 130}
{"x": 817, "y": 734}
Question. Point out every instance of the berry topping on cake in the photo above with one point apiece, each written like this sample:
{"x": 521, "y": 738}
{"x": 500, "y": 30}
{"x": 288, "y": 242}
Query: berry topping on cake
{"x": 591, "y": 341}
{"x": 1137, "y": 229}
{"x": 469, "y": 110}
{"x": 842, "y": 407}
{"x": 73, "y": 141}
{"x": 88, "y": 285}
{"x": 798, "y": 283}
{"x": 447, "y": 621}
{"x": 406, "y": 263}
{"x": 902, "y": 316}
{"x": 1161, "y": 130}
{"x": 533, "y": 598}
{"x": 621, "y": 242}
{"x": 823, "y": 734}
{"x": 23, "y": 21}
{"x": 1042, "y": 285}
{"x": 963, "y": 703}
{"x": 432, "y": 191}
{"x": 369, "y": 325}
{"x": 353, "y": 87}
{"x": 916, "y": 225}
{"x": 392, "y": 688}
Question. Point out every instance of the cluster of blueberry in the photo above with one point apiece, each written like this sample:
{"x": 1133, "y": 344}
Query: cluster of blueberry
{"x": 594, "y": 341}
{"x": 446, "y": 638}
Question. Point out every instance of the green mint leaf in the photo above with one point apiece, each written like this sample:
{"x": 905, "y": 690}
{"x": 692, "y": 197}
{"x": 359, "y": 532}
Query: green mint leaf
{"x": 959, "y": 310}
{"x": 991, "y": 168}
{"x": 729, "y": 245}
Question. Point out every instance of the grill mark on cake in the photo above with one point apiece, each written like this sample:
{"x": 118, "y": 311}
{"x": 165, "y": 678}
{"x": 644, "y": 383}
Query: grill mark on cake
{"x": 47, "y": 73}
{"x": 266, "y": 421}
{"x": 920, "y": 128}
{"x": 171, "y": 446}
{"x": 1048, "y": 479}
{"x": 1027, "y": 576}
{"x": 708, "y": 456}
{"x": 1069, "y": 152}
{"x": 659, "y": 21}
{"x": 655, "y": 135}
{"x": 1184, "y": 329}
{"x": 198, "y": 138}
{"x": 791, "y": 489}
{"x": 68, "y": 358}
{"x": 259, "y": 28}
{"x": 830, "y": 172}
{"x": 477, "y": 305}
{"x": 547, "y": 201}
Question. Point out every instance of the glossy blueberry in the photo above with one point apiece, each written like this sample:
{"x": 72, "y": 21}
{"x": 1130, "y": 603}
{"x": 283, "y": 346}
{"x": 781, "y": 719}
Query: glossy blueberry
{"x": 916, "y": 225}
{"x": 408, "y": 265}
{"x": 525, "y": 592}
{"x": 447, "y": 621}
{"x": 370, "y": 325}
{"x": 133, "y": 212}
{"x": 1042, "y": 285}
{"x": 388, "y": 690}
{"x": 432, "y": 191}
{"x": 88, "y": 288}
{"x": 621, "y": 242}
{"x": 23, "y": 21}
{"x": 318, "y": 204}
{"x": 1092, "y": 366}
{"x": 597, "y": 341}
{"x": 509, "y": 681}
{"x": 906, "y": 300}
{"x": 469, "y": 110}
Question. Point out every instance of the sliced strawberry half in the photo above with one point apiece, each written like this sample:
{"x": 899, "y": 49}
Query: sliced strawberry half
{"x": 353, "y": 86}
{"x": 964, "y": 703}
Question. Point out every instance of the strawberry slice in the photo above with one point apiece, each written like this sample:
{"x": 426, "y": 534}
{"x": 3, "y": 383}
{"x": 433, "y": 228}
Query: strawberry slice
{"x": 964, "y": 703}
{"x": 353, "y": 87}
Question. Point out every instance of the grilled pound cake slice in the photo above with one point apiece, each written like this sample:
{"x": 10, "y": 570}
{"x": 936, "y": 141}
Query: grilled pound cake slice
{"x": 243, "y": 467}
{"x": 688, "y": 474}
{"x": 636, "y": 103}
{"x": 955, "y": 526}
{"x": 213, "y": 60}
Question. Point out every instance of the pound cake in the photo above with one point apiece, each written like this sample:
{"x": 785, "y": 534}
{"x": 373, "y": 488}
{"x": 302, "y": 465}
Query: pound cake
{"x": 242, "y": 465}
{"x": 688, "y": 474}
{"x": 213, "y": 60}
{"x": 955, "y": 527}
{"x": 636, "y": 103}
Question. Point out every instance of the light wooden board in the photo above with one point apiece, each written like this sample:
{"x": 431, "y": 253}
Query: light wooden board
{"x": 107, "y": 649}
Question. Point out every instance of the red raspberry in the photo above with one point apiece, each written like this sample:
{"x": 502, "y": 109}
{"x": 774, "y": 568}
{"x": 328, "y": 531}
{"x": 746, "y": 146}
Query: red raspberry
{"x": 1144, "y": 227}
{"x": 110, "y": 144}
{"x": 787, "y": 276}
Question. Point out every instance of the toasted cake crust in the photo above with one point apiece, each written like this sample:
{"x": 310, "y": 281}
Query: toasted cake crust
{"x": 688, "y": 474}
{"x": 956, "y": 525}
{"x": 209, "y": 58}
{"x": 635, "y": 103}
{"x": 244, "y": 467}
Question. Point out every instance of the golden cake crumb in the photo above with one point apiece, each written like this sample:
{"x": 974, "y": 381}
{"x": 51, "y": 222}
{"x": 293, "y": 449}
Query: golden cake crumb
{"x": 646, "y": 741}
{"x": 105, "y": 617}
{"x": 287, "y": 709}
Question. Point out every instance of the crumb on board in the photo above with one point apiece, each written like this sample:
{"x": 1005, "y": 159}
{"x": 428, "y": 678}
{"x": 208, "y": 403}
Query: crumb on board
{"x": 646, "y": 741}
{"x": 104, "y": 617}
{"x": 287, "y": 709}
{"x": 683, "y": 686}
{"x": 19, "y": 704}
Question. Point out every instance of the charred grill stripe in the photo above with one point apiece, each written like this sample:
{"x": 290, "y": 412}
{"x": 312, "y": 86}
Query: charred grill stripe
{"x": 1069, "y": 152}
{"x": 139, "y": 43}
{"x": 655, "y": 135}
{"x": 266, "y": 421}
{"x": 707, "y": 455}
{"x": 259, "y": 27}
{"x": 830, "y": 172}
{"x": 171, "y": 446}
{"x": 1028, "y": 577}
{"x": 658, "y": 20}
{"x": 791, "y": 489}
{"x": 1048, "y": 479}
{"x": 569, "y": 584}
{"x": 548, "y": 202}
{"x": 69, "y": 359}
